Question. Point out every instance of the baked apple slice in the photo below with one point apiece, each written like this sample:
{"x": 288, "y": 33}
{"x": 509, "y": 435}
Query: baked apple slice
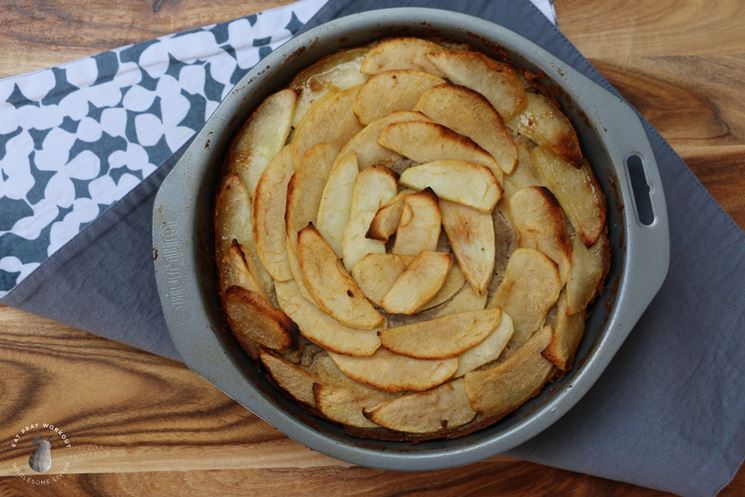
{"x": 262, "y": 137}
{"x": 269, "y": 205}
{"x": 376, "y": 273}
{"x": 419, "y": 282}
{"x": 589, "y": 268}
{"x": 443, "y": 337}
{"x": 392, "y": 91}
{"x": 374, "y": 187}
{"x": 530, "y": 287}
{"x": 365, "y": 143}
{"x": 470, "y": 114}
{"x": 577, "y": 191}
{"x": 453, "y": 283}
{"x": 335, "y": 206}
{"x": 234, "y": 271}
{"x": 419, "y": 225}
{"x": 254, "y": 320}
{"x": 568, "y": 332}
{"x": 458, "y": 181}
{"x": 488, "y": 350}
{"x": 401, "y": 53}
{"x": 345, "y": 406}
{"x": 396, "y": 373}
{"x": 233, "y": 223}
{"x": 290, "y": 377}
{"x": 539, "y": 221}
{"x": 523, "y": 175}
{"x": 442, "y": 408}
{"x": 499, "y": 390}
{"x": 385, "y": 222}
{"x": 545, "y": 124}
{"x": 305, "y": 190}
{"x": 424, "y": 141}
{"x": 471, "y": 236}
{"x": 329, "y": 120}
{"x": 322, "y": 329}
{"x": 337, "y": 71}
{"x": 332, "y": 288}
{"x": 498, "y": 82}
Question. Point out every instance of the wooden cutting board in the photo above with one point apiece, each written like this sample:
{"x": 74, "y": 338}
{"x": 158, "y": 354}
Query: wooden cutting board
{"x": 140, "y": 425}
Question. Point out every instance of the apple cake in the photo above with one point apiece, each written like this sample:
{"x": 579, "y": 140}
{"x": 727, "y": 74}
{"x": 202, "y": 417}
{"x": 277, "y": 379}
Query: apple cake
{"x": 408, "y": 238}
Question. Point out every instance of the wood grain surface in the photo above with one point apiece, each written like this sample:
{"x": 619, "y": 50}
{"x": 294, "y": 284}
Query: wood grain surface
{"x": 142, "y": 425}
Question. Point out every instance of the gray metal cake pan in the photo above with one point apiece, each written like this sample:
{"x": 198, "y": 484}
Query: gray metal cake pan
{"x": 610, "y": 132}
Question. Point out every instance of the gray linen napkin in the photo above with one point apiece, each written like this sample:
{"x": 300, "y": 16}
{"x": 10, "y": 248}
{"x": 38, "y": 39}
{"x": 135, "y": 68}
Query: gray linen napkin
{"x": 669, "y": 412}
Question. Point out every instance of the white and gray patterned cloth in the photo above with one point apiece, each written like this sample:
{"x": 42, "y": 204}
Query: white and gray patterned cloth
{"x": 76, "y": 138}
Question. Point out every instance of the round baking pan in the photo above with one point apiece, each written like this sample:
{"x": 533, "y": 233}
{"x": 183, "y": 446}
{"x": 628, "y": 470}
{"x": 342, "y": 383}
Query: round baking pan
{"x": 610, "y": 132}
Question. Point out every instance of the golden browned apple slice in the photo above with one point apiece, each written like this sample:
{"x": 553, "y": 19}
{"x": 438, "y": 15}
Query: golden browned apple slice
{"x": 568, "y": 333}
{"x": 419, "y": 282}
{"x": 471, "y": 236}
{"x": 328, "y": 373}
{"x": 234, "y": 271}
{"x": 365, "y": 143}
{"x": 539, "y": 221}
{"x": 232, "y": 216}
{"x": 297, "y": 273}
{"x": 345, "y": 406}
{"x": 332, "y": 288}
{"x": 376, "y": 273}
{"x": 589, "y": 267}
{"x": 261, "y": 137}
{"x": 522, "y": 176}
{"x": 546, "y": 125}
{"x": 375, "y": 186}
{"x": 419, "y": 224}
{"x": 401, "y": 53}
{"x": 465, "y": 300}
{"x": 443, "y": 337}
{"x": 470, "y": 114}
{"x": 355, "y": 244}
{"x": 322, "y": 329}
{"x": 499, "y": 390}
{"x": 458, "y": 181}
{"x": 253, "y": 320}
{"x": 423, "y": 141}
{"x": 488, "y": 350}
{"x": 329, "y": 120}
{"x": 292, "y": 378}
{"x": 385, "y": 222}
{"x": 326, "y": 69}
{"x": 441, "y": 408}
{"x": 453, "y": 283}
{"x": 334, "y": 385}
{"x": 577, "y": 191}
{"x": 337, "y": 71}
{"x": 269, "y": 216}
{"x": 233, "y": 222}
{"x": 530, "y": 287}
{"x": 336, "y": 201}
{"x": 392, "y": 91}
{"x": 304, "y": 194}
{"x": 305, "y": 190}
{"x": 497, "y": 81}
{"x": 396, "y": 373}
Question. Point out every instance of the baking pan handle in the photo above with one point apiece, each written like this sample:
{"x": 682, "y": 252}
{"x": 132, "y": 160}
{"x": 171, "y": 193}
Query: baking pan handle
{"x": 643, "y": 196}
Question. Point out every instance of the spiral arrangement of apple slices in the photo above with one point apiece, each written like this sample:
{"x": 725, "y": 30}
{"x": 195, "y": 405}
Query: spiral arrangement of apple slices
{"x": 408, "y": 238}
